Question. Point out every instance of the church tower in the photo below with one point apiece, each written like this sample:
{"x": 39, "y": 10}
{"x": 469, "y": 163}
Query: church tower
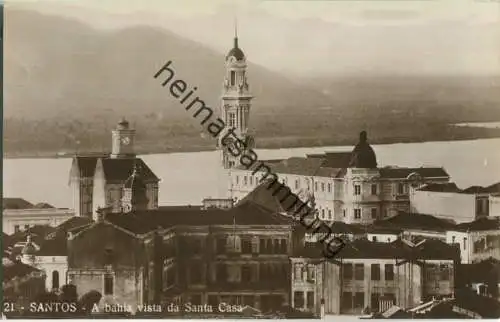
{"x": 123, "y": 138}
{"x": 235, "y": 105}
{"x": 134, "y": 193}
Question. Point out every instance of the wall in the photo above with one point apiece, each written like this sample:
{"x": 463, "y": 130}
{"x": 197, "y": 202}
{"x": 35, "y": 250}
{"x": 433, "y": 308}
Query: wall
{"x": 455, "y": 206}
{"x": 21, "y": 217}
{"x": 494, "y": 206}
{"x": 49, "y": 264}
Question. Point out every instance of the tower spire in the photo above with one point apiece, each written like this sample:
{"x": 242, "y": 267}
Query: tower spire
{"x": 235, "y": 32}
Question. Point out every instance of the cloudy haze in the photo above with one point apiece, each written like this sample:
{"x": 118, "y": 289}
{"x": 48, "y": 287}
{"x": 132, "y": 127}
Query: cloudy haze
{"x": 313, "y": 38}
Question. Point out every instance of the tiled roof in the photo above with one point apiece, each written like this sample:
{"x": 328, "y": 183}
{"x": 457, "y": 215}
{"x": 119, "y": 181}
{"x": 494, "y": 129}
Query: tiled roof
{"x": 441, "y": 187}
{"x": 121, "y": 169}
{"x": 339, "y": 227}
{"x": 404, "y": 220}
{"x": 363, "y": 248}
{"x": 114, "y": 169}
{"x": 401, "y": 173}
{"x": 297, "y": 165}
{"x": 55, "y": 244}
{"x": 16, "y": 203}
{"x": 337, "y": 159}
{"x": 247, "y": 213}
{"x": 263, "y": 196}
{"x": 479, "y": 225}
{"x": 17, "y": 269}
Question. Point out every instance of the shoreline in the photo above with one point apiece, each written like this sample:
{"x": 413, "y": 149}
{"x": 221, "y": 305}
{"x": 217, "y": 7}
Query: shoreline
{"x": 54, "y": 155}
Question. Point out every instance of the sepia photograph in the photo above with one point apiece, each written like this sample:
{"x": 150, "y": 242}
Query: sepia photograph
{"x": 250, "y": 159}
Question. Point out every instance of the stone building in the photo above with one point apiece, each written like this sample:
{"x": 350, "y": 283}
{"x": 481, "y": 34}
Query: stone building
{"x": 347, "y": 187}
{"x": 97, "y": 180}
{"x": 368, "y": 276}
{"x": 184, "y": 254}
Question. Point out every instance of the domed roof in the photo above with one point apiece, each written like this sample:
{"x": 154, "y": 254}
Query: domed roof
{"x": 29, "y": 248}
{"x": 236, "y": 52}
{"x": 135, "y": 180}
{"x": 363, "y": 155}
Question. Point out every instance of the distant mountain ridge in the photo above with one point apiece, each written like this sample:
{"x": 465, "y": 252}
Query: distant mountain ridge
{"x": 56, "y": 66}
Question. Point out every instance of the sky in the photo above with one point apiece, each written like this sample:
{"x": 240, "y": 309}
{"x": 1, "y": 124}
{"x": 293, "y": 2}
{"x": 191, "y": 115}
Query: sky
{"x": 319, "y": 37}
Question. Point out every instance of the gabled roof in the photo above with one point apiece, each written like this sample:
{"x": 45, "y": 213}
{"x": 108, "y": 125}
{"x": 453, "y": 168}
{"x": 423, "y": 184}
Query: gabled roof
{"x": 479, "y": 225}
{"x": 55, "y": 243}
{"x": 401, "y": 173}
{"x": 16, "y": 203}
{"x": 405, "y": 220}
{"x": 118, "y": 169}
{"x": 246, "y": 213}
{"x": 43, "y": 205}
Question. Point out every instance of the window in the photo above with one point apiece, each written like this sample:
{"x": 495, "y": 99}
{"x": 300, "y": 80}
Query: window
{"x": 374, "y": 238}
{"x": 465, "y": 243}
{"x": 453, "y": 239}
{"x": 357, "y": 189}
{"x": 195, "y": 274}
{"x": 298, "y": 299}
{"x": 375, "y": 301}
{"x": 357, "y": 213}
{"x": 245, "y": 180}
{"x": 16, "y": 228}
{"x": 298, "y": 272}
{"x": 283, "y": 246}
{"x": 374, "y": 189}
{"x": 221, "y": 245}
{"x": 196, "y": 246}
{"x": 329, "y": 214}
{"x": 329, "y": 187}
{"x": 246, "y": 274}
{"x": 237, "y": 179}
{"x": 374, "y": 213}
{"x": 233, "y": 78}
{"x": 375, "y": 272}
{"x": 346, "y": 303}
{"x": 344, "y": 212}
{"x": 391, "y": 297}
{"x": 389, "y": 272}
{"x": 310, "y": 300}
{"x": 322, "y": 213}
{"x": 108, "y": 256}
{"x": 401, "y": 188}
{"x": 359, "y": 272}
{"x": 246, "y": 246}
{"x": 231, "y": 119}
{"x": 108, "y": 284}
{"x": 262, "y": 246}
{"x": 315, "y": 186}
{"x": 444, "y": 272}
{"x": 323, "y": 186}
{"x": 311, "y": 276}
{"x": 359, "y": 300}
{"x": 297, "y": 184}
{"x": 221, "y": 273}
{"x": 55, "y": 279}
{"x": 251, "y": 180}
{"x": 347, "y": 271}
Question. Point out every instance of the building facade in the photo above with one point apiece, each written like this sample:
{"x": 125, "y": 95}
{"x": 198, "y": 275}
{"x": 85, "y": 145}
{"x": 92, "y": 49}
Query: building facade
{"x": 346, "y": 187}
{"x": 367, "y": 277}
{"x": 98, "y": 180}
{"x": 16, "y": 220}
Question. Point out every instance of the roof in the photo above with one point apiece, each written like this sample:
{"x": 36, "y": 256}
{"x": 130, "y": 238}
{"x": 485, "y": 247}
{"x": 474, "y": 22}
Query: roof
{"x": 16, "y": 203}
{"x": 363, "y": 155}
{"x": 17, "y": 269}
{"x": 43, "y": 205}
{"x": 492, "y": 189}
{"x": 55, "y": 244}
{"x": 441, "y": 187}
{"x": 263, "y": 196}
{"x": 115, "y": 169}
{"x": 246, "y": 213}
{"x": 479, "y": 225}
{"x": 405, "y": 220}
{"x": 402, "y": 173}
{"x": 236, "y": 52}
{"x": 363, "y": 248}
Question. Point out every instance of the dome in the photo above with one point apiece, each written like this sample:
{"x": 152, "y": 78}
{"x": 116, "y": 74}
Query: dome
{"x": 29, "y": 248}
{"x": 363, "y": 155}
{"x": 236, "y": 52}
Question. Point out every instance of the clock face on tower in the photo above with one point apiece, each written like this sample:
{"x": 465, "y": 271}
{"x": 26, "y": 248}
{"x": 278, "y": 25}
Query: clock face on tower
{"x": 125, "y": 140}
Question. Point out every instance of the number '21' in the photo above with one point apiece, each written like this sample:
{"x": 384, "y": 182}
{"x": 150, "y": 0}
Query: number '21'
{"x": 8, "y": 307}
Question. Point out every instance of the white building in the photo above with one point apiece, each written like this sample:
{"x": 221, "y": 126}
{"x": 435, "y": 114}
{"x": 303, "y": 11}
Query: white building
{"x": 345, "y": 186}
{"x": 478, "y": 240}
{"x": 20, "y": 215}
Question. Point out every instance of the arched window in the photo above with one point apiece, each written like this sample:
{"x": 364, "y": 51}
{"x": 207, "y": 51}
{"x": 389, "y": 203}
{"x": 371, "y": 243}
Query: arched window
{"x": 233, "y": 78}
{"x": 55, "y": 279}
